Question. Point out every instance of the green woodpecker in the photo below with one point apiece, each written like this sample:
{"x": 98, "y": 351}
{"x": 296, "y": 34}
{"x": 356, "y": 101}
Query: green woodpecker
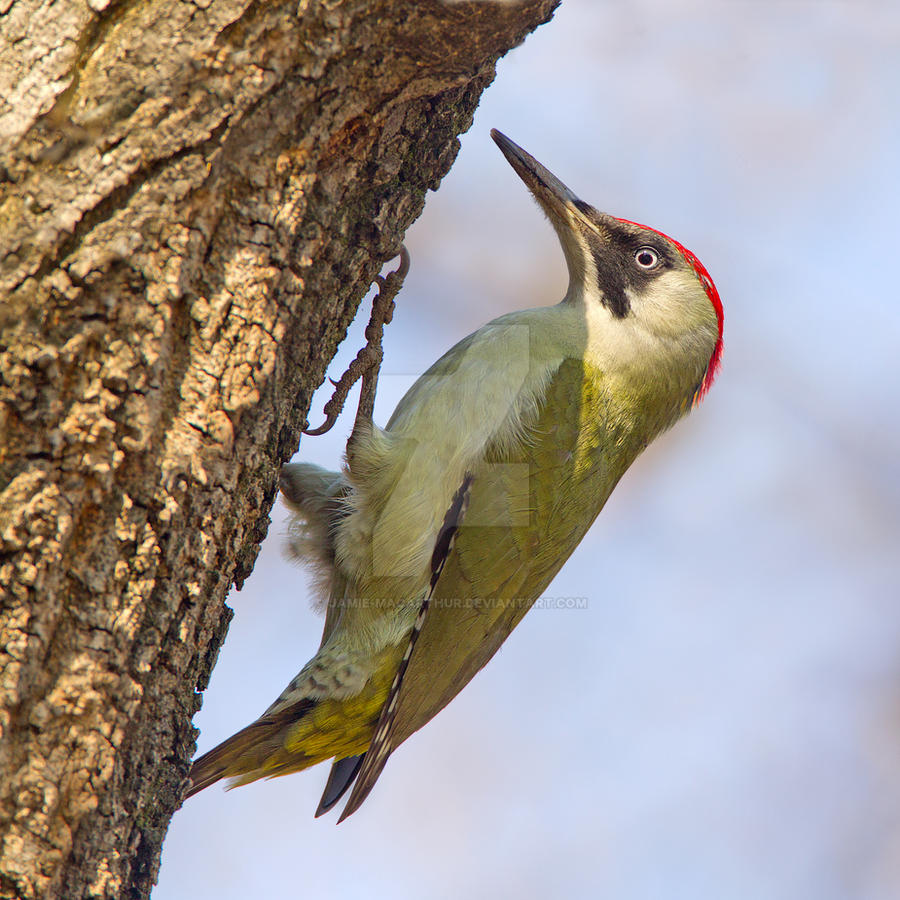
{"x": 447, "y": 525}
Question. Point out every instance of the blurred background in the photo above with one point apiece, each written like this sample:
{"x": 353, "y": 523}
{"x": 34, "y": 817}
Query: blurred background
{"x": 721, "y": 717}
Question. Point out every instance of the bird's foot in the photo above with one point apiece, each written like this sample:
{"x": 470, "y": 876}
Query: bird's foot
{"x": 368, "y": 360}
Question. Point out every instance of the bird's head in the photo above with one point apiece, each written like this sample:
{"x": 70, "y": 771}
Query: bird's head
{"x": 641, "y": 277}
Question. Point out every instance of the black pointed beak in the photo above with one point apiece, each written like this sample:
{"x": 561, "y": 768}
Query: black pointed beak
{"x": 554, "y": 197}
{"x": 578, "y": 225}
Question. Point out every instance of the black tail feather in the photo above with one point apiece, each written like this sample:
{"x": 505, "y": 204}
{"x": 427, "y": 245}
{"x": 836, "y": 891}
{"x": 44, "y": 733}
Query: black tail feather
{"x": 342, "y": 774}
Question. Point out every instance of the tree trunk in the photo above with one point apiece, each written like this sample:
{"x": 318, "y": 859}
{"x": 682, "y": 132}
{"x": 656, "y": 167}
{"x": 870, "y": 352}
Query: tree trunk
{"x": 194, "y": 197}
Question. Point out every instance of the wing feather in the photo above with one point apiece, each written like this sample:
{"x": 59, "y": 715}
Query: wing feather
{"x": 376, "y": 756}
{"x": 516, "y": 536}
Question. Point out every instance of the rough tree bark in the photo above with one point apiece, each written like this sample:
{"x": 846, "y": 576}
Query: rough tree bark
{"x": 194, "y": 197}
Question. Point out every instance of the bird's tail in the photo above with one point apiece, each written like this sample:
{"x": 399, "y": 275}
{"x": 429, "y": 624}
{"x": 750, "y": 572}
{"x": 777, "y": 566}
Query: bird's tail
{"x": 300, "y": 734}
{"x": 254, "y": 752}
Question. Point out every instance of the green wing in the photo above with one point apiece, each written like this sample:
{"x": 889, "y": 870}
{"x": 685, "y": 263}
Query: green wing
{"x": 529, "y": 507}
{"x": 528, "y": 511}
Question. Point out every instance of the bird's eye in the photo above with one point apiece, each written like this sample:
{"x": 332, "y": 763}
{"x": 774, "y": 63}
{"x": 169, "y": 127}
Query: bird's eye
{"x": 646, "y": 257}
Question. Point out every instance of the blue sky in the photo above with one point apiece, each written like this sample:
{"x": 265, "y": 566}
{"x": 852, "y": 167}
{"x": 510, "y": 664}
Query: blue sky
{"x": 720, "y": 719}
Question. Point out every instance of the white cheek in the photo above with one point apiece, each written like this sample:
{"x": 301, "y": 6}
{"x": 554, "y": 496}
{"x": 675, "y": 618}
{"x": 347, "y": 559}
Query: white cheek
{"x": 672, "y": 304}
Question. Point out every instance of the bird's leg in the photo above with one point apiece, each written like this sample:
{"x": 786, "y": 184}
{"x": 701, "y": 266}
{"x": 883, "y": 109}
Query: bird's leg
{"x": 368, "y": 360}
